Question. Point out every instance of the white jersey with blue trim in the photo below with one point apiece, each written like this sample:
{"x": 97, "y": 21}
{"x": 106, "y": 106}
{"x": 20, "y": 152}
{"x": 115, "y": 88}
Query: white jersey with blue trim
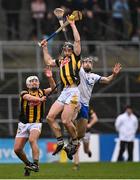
{"x": 87, "y": 82}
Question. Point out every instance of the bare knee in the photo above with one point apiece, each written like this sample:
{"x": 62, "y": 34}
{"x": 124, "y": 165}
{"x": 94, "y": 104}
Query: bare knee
{"x": 66, "y": 122}
{"x": 32, "y": 140}
{"x": 50, "y": 117}
{"x": 17, "y": 149}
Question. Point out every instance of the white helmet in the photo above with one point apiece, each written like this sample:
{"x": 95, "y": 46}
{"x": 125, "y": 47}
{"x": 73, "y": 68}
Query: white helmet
{"x": 28, "y": 81}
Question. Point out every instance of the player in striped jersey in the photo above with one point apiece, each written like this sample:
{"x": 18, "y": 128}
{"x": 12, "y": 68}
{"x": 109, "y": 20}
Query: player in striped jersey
{"x": 69, "y": 65}
{"x": 32, "y": 102}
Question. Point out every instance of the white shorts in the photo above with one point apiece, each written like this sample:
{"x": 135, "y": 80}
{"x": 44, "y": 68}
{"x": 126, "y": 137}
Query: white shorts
{"x": 86, "y": 138}
{"x": 70, "y": 96}
{"x": 24, "y": 129}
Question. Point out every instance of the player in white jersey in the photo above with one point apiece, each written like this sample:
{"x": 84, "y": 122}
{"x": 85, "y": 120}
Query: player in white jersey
{"x": 87, "y": 82}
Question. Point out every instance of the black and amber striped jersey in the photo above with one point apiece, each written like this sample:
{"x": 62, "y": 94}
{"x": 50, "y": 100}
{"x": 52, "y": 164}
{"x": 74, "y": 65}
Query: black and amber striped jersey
{"x": 31, "y": 112}
{"x": 69, "y": 69}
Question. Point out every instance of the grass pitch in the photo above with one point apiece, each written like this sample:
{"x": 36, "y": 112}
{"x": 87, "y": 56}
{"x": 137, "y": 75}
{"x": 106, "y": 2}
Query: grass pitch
{"x": 65, "y": 171}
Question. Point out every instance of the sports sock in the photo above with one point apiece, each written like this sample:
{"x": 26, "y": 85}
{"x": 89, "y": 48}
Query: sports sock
{"x": 60, "y": 140}
{"x": 27, "y": 163}
{"x": 36, "y": 161}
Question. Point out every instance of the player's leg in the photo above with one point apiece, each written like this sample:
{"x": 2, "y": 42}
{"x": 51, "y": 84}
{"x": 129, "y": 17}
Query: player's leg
{"x": 18, "y": 149}
{"x": 130, "y": 150}
{"x": 81, "y": 126}
{"x": 82, "y": 120}
{"x": 35, "y": 130}
{"x": 86, "y": 141}
{"x": 20, "y": 141}
{"x": 121, "y": 151}
{"x": 66, "y": 117}
{"x": 56, "y": 108}
{"x": 76, "y": 160}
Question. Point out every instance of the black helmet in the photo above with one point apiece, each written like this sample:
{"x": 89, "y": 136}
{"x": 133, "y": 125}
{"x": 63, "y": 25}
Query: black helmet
{"x": 68, "y": 45}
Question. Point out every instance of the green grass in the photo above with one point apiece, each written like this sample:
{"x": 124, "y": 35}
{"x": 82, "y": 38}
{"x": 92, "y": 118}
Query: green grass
{"x": 65, "y": 171}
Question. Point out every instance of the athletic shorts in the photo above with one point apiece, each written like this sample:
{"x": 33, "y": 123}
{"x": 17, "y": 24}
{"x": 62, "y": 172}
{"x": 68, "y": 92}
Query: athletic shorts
{"x": 24, "y": 129}
{"x": 69, "y": 96}
{"x": 84, "y": 112}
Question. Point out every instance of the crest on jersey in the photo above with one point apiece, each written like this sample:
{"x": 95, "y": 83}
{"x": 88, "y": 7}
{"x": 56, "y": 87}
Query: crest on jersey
{"x": 65, "y": 61}
{"x": 90, "y": 81}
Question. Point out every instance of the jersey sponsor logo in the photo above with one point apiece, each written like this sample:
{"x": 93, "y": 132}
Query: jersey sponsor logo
{"x": 65, "y": 61}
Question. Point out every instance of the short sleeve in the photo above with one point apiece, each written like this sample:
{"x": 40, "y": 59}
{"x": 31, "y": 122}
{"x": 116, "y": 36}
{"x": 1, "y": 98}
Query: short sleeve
{"x": 23, "y": 93}
{"x": 96, "y": 77}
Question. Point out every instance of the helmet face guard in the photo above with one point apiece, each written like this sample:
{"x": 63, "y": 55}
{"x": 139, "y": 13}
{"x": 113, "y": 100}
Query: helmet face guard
{"x": 30, "y": 80}
{"x": 68, "y": 45}
{"x": 90, "y": 59}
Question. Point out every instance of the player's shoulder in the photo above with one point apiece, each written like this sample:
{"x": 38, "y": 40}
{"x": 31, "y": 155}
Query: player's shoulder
{"x": 121, "y": 116}
{"x": 41, "y": 91}
{"x": 23, "y": 92}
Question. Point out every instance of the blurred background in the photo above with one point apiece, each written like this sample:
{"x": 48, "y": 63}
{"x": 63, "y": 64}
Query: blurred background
{"x": 107, "y": 31}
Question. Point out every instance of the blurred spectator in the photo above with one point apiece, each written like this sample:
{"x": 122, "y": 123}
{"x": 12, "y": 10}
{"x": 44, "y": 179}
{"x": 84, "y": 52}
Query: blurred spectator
{"x": 126, "y": 124}
{"x": 38, "y": 9}
{"x": 90, "y": 29}
{"x": 135, "y": 14}
{"x": 69, "y": 4}
{"x": 12, "y": 9}
{"x": 120, "y": 7}
{"x": 104, "y": 13}
{"x": 136, "y": 36}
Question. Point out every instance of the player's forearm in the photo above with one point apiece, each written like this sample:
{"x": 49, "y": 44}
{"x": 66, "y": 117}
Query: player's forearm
{"x": 111, "y": 77}
{"x": 92, "y": 122}
{"x": 52, "y": 82}
{"x": 28, "y": 97}
{"x": 108, "y": 79}
{"x": 47, "y": 57}
{"x": 75, "y": 32}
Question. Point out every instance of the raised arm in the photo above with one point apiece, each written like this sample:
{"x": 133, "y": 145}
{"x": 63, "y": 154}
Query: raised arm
{"x": 116, "y": 70}
{"x": 77, "y": 43}
{"x": 47, "y": 57}
{"x": 48, "y": 73}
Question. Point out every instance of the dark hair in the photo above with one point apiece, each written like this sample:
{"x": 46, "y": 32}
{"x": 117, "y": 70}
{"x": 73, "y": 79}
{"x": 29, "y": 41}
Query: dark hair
{"x": 128, "y": 107}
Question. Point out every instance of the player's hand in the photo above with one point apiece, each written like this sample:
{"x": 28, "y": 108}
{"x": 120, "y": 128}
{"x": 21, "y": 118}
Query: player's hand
{"x": 44, "y": 43}
{"x": 117, "y": 68}
{"x": 43, "y": 98}
{"x": 48, "y": 71}
{"x": 70, "y": 20}
{"x": 88, "y": 126}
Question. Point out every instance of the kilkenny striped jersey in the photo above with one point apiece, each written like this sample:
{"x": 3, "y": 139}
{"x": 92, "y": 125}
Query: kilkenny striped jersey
{"x": 31, "y": 112}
